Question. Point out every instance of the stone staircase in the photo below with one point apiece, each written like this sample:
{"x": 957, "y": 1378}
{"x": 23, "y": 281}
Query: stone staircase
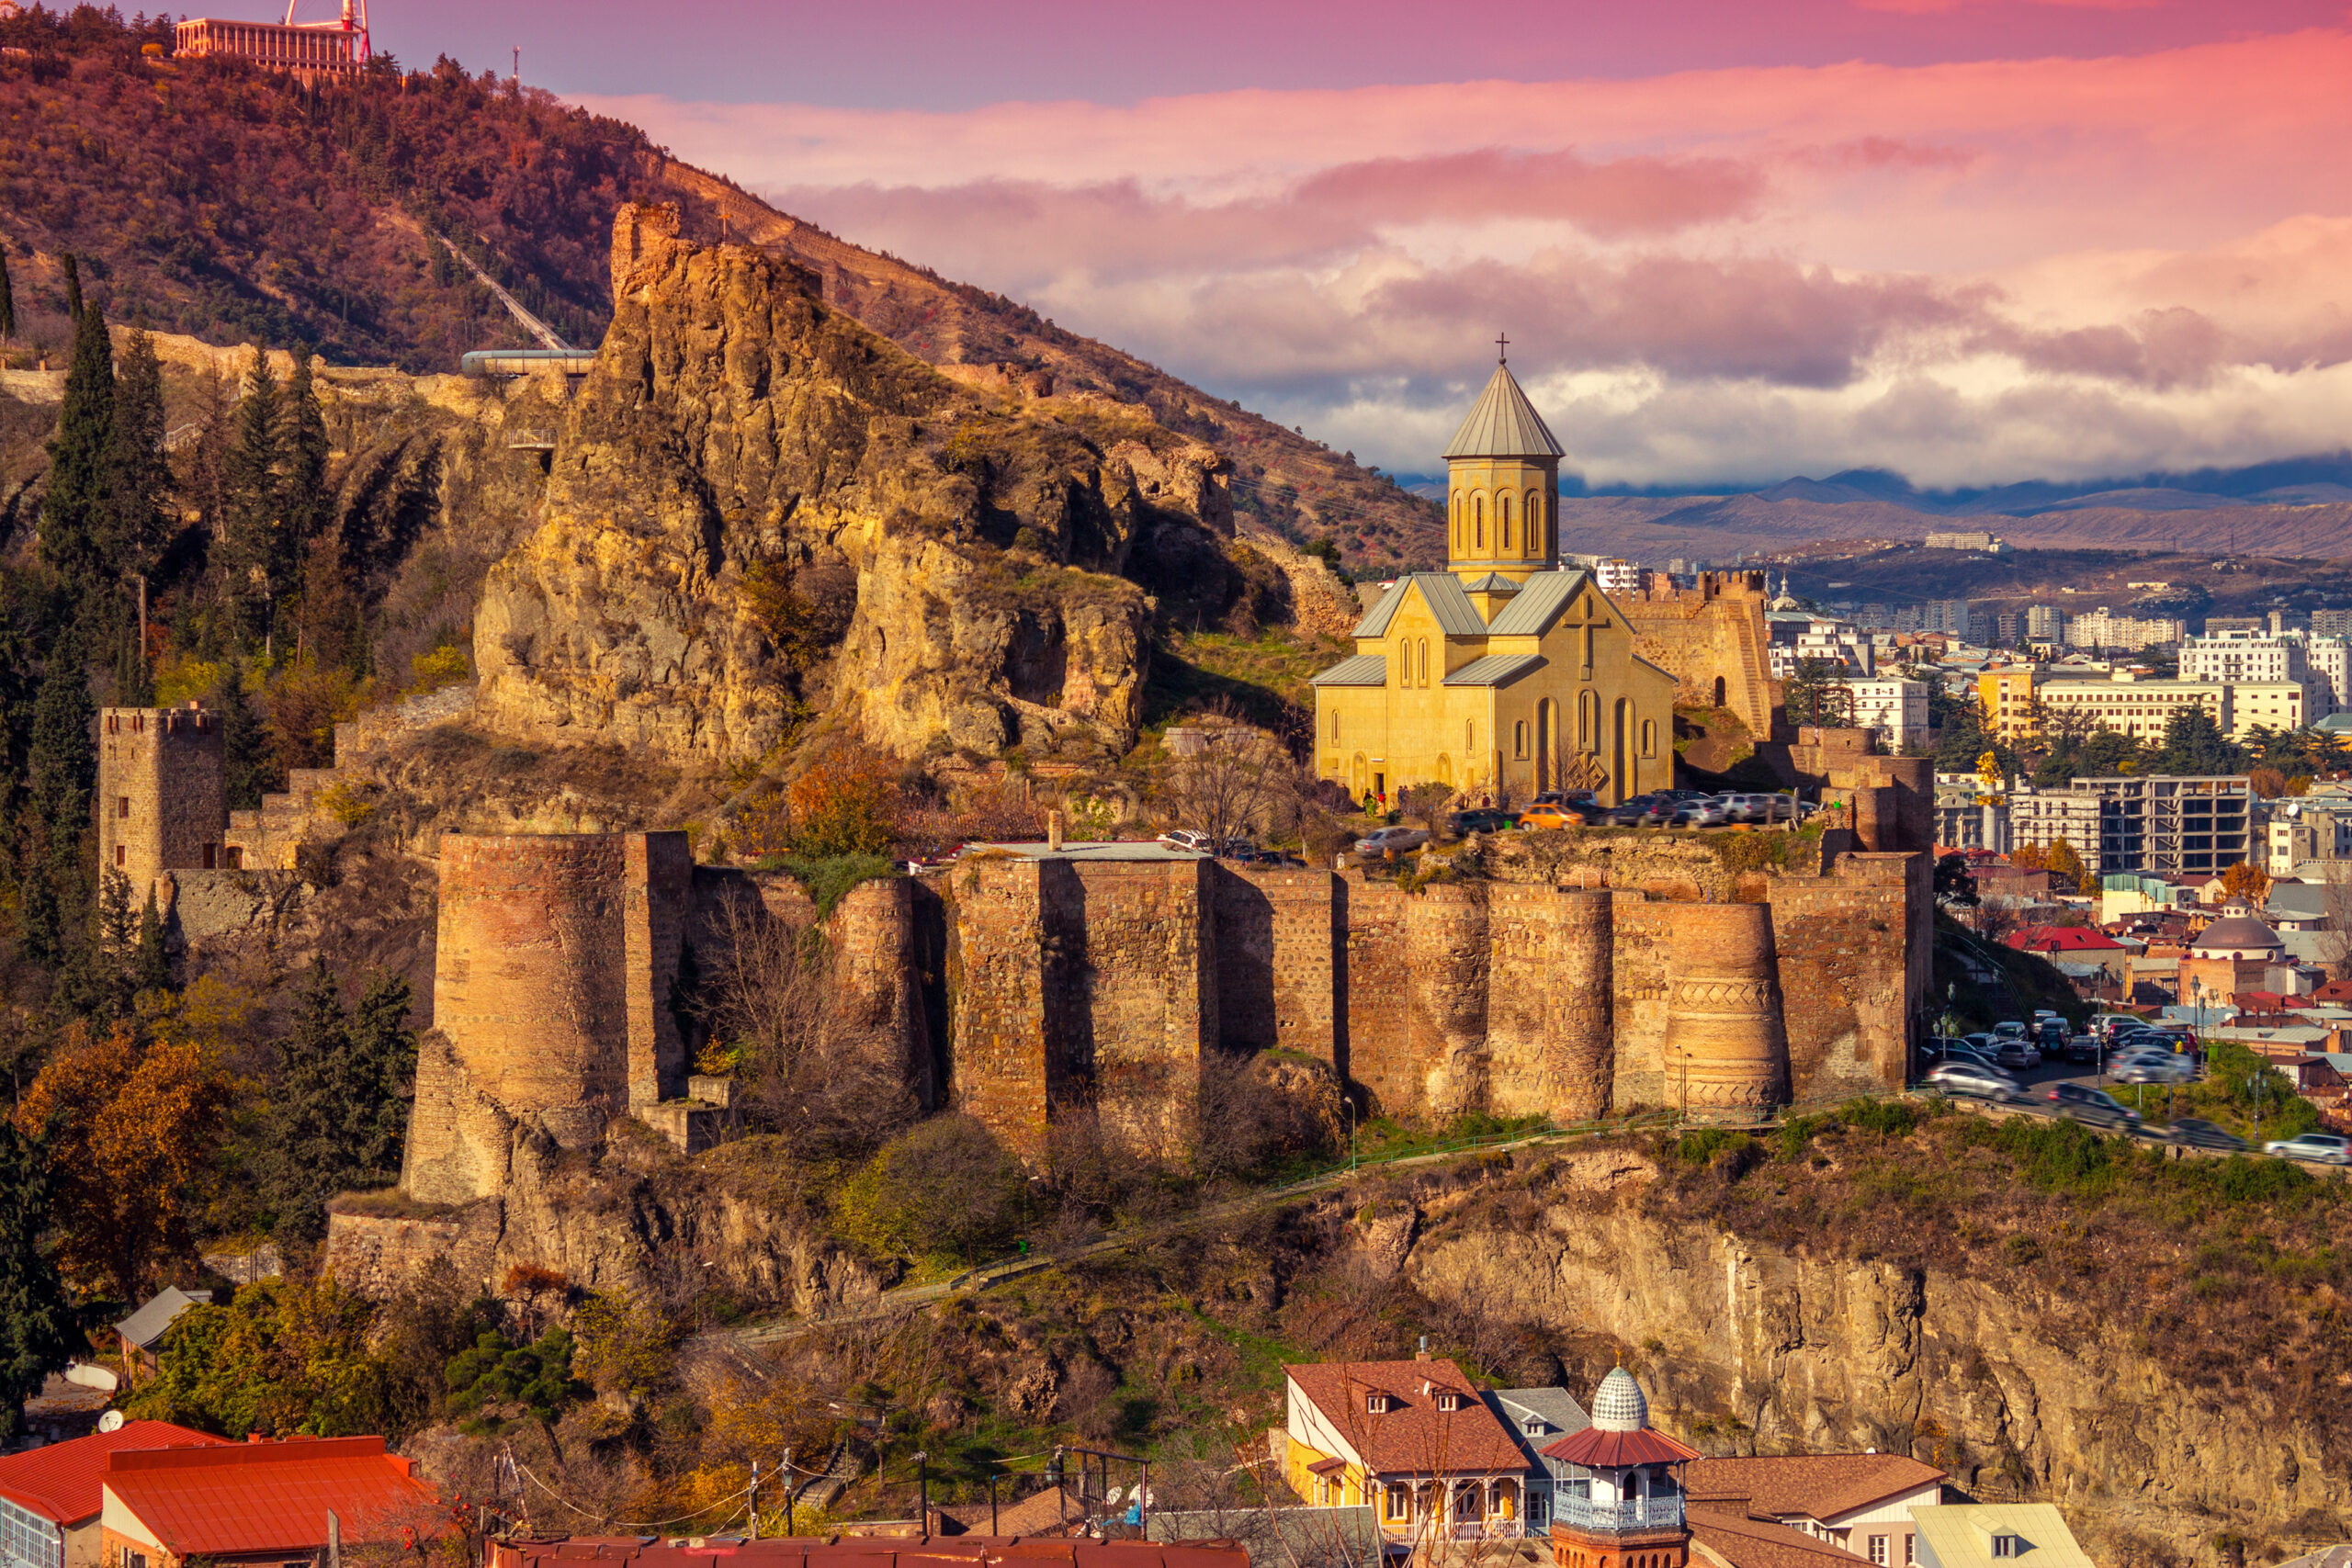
{"x": 271, "y": 838}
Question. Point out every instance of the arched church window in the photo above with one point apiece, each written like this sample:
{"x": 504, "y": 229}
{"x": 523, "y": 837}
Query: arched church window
{"x": 1470, "y": 736}
{"x": 1458, "y": 523}
{"x": 1649, "y": 737}
{"x": 1425, "y": 661}
{"x": 1502, "y": 517}
{"x": 1535, "y": 522}
{"x": 1478, "y": 521}
{"x": 1587, "y": 721}
{"x": 1335, "y": 724}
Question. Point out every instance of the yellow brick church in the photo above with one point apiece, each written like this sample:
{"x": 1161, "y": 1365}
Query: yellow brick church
{"x": 1504, "y": 670}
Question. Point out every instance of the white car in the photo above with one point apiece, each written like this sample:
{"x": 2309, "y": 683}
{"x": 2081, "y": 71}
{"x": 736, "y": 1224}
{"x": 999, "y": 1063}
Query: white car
{"x": 2320, "y": 1148}
{"x": 1372, "y": 846}
{"x": 1975, "y": 1079}
{"x": 1185, "y": 839}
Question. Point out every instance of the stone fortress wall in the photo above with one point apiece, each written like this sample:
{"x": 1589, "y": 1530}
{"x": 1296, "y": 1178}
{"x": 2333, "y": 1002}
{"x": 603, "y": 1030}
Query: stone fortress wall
{"x": 1711, "y": 637}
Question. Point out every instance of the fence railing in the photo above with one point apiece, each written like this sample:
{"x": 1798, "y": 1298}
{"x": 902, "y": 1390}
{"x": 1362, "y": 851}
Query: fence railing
{"x": 1633, "y": 1513}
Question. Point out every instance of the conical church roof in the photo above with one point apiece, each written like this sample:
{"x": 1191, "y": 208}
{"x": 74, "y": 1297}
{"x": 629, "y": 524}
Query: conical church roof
{"x": 1503, "y": 423}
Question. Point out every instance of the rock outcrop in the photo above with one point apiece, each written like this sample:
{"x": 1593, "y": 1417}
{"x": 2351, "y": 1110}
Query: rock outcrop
{"x": 737, "y": 441}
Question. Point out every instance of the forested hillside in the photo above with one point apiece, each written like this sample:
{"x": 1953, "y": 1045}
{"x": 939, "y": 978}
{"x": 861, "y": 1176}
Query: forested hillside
{"x": 212, "y": 198}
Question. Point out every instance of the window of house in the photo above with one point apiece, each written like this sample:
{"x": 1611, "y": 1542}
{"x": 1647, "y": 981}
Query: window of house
{"x": 1910, "y": 1549}
{"x": 2005, "y": 1546}
{"x": 1393, "y": 1503}
{"x": 209, "y": 851}
{"x": 119, "y": 855}
{"x": 1878, "y": 1549}
{"x": 122, "y": 807}
{"x": 1449, "y": 1402}
{"x": 1375, "y": 1403}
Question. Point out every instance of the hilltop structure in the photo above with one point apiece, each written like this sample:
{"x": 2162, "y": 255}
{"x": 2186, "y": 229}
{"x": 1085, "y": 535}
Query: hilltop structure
{"x": 1504, "y": 674}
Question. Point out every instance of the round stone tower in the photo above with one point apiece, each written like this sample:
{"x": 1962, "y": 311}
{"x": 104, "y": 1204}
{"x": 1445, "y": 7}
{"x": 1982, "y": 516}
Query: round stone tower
{"x": 1725, "y": 1047}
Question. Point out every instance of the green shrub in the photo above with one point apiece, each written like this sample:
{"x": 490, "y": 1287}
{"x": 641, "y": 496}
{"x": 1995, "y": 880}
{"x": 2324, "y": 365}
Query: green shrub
{"x": 536, "y": 1376}
{"x": 944, "y": 1191}
{"x": 829, "y": 878}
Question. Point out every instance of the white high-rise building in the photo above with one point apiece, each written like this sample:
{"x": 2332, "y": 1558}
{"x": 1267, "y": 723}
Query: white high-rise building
{"x": 2330, "y": 660}
{"x": 2252, "y": 659}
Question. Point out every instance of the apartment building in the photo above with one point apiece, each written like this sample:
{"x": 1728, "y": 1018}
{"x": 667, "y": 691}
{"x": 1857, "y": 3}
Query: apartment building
{"x": 1949, "y": 616}
{"x": 2166, "y": 823}
{"x": 2045, "y": 623}
{"x": 2041, "y": 818}
{"x": 2133, "y": 706}
{"x": 2007, "y": 691}
{"x": 2329, "y": 659}
{"x": 2104, "y": 628}
{"x": 2268, "y": 704}
{"x": 2332, "y": 622}
{"x": 2246, "y": 655}
{"x": 1893, "y": 710}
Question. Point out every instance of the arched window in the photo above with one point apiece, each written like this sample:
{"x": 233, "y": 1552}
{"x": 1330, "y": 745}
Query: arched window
{"x": 1535, "y": 546}
{"x": 1425, "y": 661}
{"x": 1335, "y": 724}
{"x": 1457, "y": 522}
{"x": 1478, "y": 521}
{"x": 1649, "y": 737}
{"x": 1518, "y": 738}
{"x": 1470, "y": 736}
{"x": 1502, "y": 516}
{"x": 1588, "y": 721}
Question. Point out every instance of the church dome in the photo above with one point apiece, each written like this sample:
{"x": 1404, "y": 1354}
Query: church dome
{"x": 1618, "y": 1404}
{"x": 1503, "y": 423}
{"x": 2239, "y": 934}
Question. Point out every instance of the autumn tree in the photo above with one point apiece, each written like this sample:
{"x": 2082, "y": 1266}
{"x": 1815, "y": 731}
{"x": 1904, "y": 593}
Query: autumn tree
{"x": 37, "y": 1333}
{"x": 2268, "y": 782}
{"x": 2247, "y": 881}
{"x": 846, "y": 802}
{"x": 128, "y": 1132}
{"x": 947, "y": 1188}
{"x": 283, "y": 1356}
{"x": 2064, "y": 862}
{"x": 2029, "y": 857}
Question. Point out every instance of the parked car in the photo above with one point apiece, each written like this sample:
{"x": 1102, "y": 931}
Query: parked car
{"x": 1550, "y": 816}
{"x": 1702, "y": 813}
{"x": 1975, "y": 1080}
{"x": 2009, "y": 1029}
{"x": 1372, "y": 846}
{"x": 1570, "y": 799}
{"x": 2096, "y": 1106}
{"x": 2081, "y": 1048}
{"x": 1944, "y": 1044}
{"x": 1482, "y": 820}
{"x": 1643, "y": 810}
{"x": 2200, "y": 1133}
{"x": 2051, "y": 1035}
{"x": 2018, "y": 1056}
{"x": 2107, "y": 1025}
{"x": 2153, "y": 1069}
{"x": 2319, "y": 1148}
{"x": 1983, "y": 1040}
{"x": 1185, "y": 839}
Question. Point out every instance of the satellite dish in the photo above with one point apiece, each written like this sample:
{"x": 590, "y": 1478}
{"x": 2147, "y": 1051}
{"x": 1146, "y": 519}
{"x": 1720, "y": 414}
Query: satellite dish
{"x": 110, "y": 1422}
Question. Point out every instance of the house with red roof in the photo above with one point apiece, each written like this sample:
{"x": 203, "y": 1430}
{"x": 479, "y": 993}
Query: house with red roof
{"x": 1414, "y": 1439}
{"x": 2075, "y": 944}
{"x": 256, "y": 1503}
{"x": 50, "y": 1496}
{"x": 1860, "y": 1503}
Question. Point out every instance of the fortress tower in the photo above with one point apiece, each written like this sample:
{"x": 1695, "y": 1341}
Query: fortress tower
{"x": 1503, "y": 490}
{"x": 161, "y": 803}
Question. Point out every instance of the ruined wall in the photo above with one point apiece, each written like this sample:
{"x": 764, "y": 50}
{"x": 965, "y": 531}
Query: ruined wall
{"x": 1278, "y": 960}
{"x": 1375, "y": 1026}
{"x": 1550, "y": 1045}
{"x": 1725, "y": 1048}
{"x": 1852, "y": 971}
{"x": 1712, "y": 638}
{"x": 1138, "y": 993}
{"x": 1005, "y": 1070}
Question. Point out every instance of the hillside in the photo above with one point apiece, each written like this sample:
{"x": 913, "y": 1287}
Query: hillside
{"x": 214, "y": 199}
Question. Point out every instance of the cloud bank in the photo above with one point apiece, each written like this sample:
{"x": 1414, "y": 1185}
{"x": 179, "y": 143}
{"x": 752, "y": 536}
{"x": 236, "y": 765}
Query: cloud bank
{"x": 1974, "y": 273}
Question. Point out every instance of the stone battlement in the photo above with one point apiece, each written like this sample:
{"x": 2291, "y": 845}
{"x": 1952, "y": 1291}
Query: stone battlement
{"x": 1711, "y": 637}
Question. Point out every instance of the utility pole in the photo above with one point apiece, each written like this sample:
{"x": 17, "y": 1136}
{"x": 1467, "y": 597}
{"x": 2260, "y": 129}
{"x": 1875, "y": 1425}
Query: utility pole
{"x": 788, "y": 1473}
{"x": 922, "y": 1489}
{"x": 755, "y": 1499}
{"x": 518, "y": 67}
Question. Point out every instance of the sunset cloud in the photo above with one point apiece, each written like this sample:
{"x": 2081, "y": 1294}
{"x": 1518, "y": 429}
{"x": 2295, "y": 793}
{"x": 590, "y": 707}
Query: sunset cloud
{"x": 1973, "y": 271}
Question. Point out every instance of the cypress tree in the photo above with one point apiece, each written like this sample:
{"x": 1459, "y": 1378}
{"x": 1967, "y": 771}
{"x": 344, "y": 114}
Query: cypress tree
{"x": 249, "y": 542}
{"x": 247, "y": 770}
{"x": 62, "y": 769}
{"x": 72, "y": 516}
{"x": 7, "y": 299}
{"x": 37, "y": 1334}
{"x": 303, "y": 449}
{"x": 152, "y": 968}
{"x": 137, "y": 476}
{"x": 383, "y": 1058}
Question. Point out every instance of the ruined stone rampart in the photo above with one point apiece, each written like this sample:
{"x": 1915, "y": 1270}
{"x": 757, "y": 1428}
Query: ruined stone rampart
{"x": 1711, "y": 636}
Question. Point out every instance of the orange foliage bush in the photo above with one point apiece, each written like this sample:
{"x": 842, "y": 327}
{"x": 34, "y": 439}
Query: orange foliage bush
{"x": 847, "y": 804}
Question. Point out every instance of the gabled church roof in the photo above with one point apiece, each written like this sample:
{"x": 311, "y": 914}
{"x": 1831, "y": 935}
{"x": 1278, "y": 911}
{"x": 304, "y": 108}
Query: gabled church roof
{"x": 1359, "y": 670}
{"x": 1495, "y": 670}
{"x": 1542, "y": 599}
{"x": 1503, "y": 423}
{"x": 1442, "y": 591}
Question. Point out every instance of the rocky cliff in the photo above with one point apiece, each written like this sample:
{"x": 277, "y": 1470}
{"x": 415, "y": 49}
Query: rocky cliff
{"x": 744, "y": 464}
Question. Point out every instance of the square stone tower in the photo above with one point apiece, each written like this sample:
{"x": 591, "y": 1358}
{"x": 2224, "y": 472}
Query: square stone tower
{"x": 162, "y": 801}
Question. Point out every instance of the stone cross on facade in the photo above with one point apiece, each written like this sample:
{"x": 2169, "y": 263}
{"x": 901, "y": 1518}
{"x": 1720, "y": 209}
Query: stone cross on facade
{"x": 1594, "y": 619}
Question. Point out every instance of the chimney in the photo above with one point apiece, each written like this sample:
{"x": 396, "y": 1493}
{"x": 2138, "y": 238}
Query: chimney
{"x": 1422, "y": 1354}
{"x": 1054, "y": 831}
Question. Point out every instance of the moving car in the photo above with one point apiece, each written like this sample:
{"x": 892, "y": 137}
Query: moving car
{"x": 2319, "y": 1148}
{"x": 1976, "y": 1080}
{"x": 2153, "y": 1068}
{"x": 1702, "y": 813}
{"x": 1482, "y": 820}
{"x": 2096, "y": 1106}
{"x": 1550, "y": 816}
{"x": 2200, "y": 1133}
{"x": 1373, "y": 846}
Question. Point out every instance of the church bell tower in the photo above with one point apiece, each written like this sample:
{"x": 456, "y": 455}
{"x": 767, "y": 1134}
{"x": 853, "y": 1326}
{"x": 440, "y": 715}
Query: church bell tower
{"x": 1502, "y": 487}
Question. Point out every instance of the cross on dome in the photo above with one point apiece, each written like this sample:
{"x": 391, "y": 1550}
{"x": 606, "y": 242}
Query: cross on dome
{"x": 1502, "y": 348}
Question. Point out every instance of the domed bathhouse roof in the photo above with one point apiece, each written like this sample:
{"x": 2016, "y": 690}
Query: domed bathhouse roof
{"x": 2241, "y": 933}
{"x": 1618, "y": 1404}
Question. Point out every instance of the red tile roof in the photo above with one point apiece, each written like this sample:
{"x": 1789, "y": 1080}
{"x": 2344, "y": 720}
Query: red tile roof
{"x": 1820, "y": 1487}
{"x": 1413, "y": 1435}
{"x": 1593, "y": 1446}
{"x": 60, "y": 1483}
{"x": 2063, "y": 938}
{"x": 1753, "y": 1543}
{"x": 248, "y": 1497}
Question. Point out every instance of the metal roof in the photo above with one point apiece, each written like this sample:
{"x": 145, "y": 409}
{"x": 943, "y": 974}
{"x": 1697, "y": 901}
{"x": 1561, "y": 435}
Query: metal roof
{"x": 1540, "y": 602}
{"x": 1493, "y": 583}
{"x": 60, "y": 1483}
{"x": 163, "y": 1309}
{"x": 1503, "y": 423}
{"x": 241, "y": 1498}
{"x": 1495, "y": 670}
{"x": 1441, "y": 591}
{"x": 1363, "y": 669}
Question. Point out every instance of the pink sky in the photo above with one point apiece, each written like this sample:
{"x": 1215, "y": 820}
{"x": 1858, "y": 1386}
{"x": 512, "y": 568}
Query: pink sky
{"x": 1975, "y": 241}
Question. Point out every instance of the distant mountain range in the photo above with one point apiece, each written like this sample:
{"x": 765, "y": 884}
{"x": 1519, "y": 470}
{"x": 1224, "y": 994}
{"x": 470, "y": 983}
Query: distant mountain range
{"x": 2299, "y": 506}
